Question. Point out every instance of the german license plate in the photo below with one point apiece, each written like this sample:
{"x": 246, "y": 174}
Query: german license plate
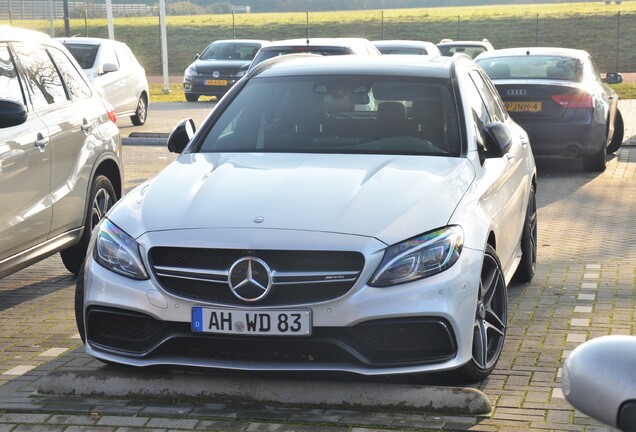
{"x": 215, "y": 82}
{"x": 250, "y": 322}
{"x": 523, "y": 106}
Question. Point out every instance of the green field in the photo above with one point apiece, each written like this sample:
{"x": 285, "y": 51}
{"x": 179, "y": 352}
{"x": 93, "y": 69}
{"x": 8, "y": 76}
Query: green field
{"x": 590, "y": 26}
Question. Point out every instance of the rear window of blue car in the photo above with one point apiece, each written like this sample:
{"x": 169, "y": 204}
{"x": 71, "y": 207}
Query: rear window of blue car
{"x": 533, "y": 67}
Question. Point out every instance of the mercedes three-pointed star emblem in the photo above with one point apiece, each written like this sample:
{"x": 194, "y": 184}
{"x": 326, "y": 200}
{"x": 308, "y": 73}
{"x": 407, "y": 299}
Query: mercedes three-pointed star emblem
{"x": 250, "y": 279}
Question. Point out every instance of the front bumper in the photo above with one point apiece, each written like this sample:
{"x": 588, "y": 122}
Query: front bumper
{"x": 208, "y": 86}
{"x": 422, "y": 326}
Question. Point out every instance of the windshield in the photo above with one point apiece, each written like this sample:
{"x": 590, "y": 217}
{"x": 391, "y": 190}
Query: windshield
{"x": 230, "y": 51}
{"x": 339, "y": 114}
{"x": 471, "y": 50}
{"x": 533, "y": 67}
{"x": 84, "y": 54}
{"x": 403, "y": 50}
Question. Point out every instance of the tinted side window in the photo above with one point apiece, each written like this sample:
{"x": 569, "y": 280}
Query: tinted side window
{"x": 9, "y": 84}
{"x": 478, "y": 109}
{"x": 42, "y": 77}
{"x": 77, "y": 87}
{"x": 489, "y": 96}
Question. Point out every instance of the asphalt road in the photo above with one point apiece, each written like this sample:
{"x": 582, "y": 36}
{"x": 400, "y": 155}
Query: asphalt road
{"x": 162, "y": 117}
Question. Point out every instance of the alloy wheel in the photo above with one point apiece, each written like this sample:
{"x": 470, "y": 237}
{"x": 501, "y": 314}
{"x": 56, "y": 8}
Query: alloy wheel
{"x": 491, "y": 315}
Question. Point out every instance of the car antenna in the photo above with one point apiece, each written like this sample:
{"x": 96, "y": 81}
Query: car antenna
{"x": 307, "y": 28}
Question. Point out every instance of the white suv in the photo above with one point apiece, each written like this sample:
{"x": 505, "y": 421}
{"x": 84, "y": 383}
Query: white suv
{"x": 60, "y": 153}
{"x": 113, "y": 69}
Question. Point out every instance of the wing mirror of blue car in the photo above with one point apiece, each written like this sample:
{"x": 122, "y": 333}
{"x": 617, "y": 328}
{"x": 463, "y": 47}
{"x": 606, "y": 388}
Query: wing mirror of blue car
{"x": 12, "y": 113}
{"x": 613, "y": 78}
{"x": 599, "y": 380}
{"x": 498, "y": 139}
{"x": 181, "y": 135}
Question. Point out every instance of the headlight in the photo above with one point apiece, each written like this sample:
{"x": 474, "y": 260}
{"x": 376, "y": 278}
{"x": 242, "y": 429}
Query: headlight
{"x": 419, "y": 257}
{"x": 191, "y": 71}
{"x": 118, "y": 252}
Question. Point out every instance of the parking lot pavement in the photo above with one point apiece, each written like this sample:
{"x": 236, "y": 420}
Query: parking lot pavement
{"x": 584, "y": 288}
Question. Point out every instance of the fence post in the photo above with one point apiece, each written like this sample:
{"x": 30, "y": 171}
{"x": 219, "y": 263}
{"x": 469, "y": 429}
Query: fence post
{"x": 618, "y": 38}
{"x": 233, "y": 26}
{"x": 459, "y": 20}
{"x": 536, "y": 38}
{"x": 67, "y": 21}
{"x": 52, "y": 29}
{"x": 382, "y": 26}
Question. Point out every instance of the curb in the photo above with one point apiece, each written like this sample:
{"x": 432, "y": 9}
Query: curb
{"x": 146, "y": 138}
{"x": 114, "y": 381}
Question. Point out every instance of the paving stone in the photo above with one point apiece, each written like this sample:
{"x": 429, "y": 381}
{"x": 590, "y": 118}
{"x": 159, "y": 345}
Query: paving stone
{"x": 122, "y": 421}
{"x": 222, "y": 425}
{"x": 271, "y": 427}
{"x": 170, "y": 423}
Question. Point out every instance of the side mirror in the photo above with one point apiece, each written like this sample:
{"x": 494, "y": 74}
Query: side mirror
{"x": 12, "y": 113}
{"x": 599, "y": 380}
{"x": 196, "y": 57}
{"x": 181, "y": 135}
{"x": 109, "y": 67}
{"x": 498, "y": 139}
{"x": 613, "y": 78}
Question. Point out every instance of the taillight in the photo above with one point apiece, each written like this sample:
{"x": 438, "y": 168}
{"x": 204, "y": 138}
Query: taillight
{"x": 110, "y": 111}
{"x": 574, "y": 100}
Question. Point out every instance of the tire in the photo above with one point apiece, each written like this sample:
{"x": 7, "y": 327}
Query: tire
{"x": 528, "y": 264}
{"x": 101, "y": 199}
{"x": 619, "y": 134}
{"x": 191, "y": 97}
{"x": 491, "y": 316}
{"x": 79, "y": 305}
{"x": 141, "y": 113}
{"x": 595, "y": 162}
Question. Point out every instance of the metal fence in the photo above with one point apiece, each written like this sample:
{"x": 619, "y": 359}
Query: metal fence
{"x": 53, "y": 9}
{"x": 609, "y": 36}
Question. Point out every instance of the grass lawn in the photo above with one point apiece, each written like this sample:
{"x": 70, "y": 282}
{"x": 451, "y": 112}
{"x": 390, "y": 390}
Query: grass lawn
{"x": 593, "y": 26}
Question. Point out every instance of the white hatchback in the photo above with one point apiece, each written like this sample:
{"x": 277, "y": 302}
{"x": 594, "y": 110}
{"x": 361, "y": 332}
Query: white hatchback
{"x": 115, "y": 71}
{"x": 306, "y": 228}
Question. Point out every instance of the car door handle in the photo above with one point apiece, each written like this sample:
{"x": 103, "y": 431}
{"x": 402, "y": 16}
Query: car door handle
{"x": 41, "y": 141}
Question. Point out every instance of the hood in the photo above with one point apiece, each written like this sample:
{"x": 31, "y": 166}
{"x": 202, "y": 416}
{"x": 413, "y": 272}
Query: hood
{"x": 207, "y": 67}
{"x": 387, "y": 197}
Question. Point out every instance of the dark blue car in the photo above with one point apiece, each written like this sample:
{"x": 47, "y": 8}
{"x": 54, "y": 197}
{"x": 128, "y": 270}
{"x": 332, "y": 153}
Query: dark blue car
{"x": 558, "y": 97}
